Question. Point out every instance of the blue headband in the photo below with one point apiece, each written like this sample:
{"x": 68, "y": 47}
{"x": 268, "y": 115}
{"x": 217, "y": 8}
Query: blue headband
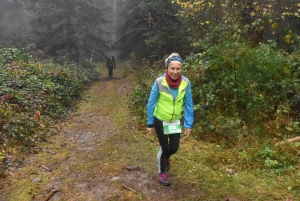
{"x": 174, "y": 58}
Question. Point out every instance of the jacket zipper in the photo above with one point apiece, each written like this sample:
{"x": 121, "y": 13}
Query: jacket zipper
{"x": 173, "y": 110}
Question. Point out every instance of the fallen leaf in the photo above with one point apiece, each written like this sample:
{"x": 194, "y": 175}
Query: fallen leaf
{"x": 280, "y": 180}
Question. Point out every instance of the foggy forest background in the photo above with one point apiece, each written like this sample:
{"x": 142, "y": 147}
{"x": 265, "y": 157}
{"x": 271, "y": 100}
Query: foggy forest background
{"x": 148, "y": 28}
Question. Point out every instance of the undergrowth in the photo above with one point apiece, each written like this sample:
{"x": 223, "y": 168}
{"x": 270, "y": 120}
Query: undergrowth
{"x": 34, "y": 92}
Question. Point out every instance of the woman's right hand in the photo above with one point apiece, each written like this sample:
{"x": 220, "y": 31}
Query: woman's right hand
{"x": 150, "y": 130}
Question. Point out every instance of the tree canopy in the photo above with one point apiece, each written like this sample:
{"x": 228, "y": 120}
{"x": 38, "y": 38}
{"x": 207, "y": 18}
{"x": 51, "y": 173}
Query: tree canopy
{"x": 152, "y": 29}
{"x": 65, "y": 26}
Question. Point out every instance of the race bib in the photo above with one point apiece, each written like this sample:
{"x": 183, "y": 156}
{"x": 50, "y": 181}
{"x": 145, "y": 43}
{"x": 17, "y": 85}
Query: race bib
{"x": 172, "y": 127}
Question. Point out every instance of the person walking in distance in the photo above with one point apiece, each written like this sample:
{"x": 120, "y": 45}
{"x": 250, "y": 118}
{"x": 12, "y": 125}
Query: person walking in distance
{"x": 169, "y": 94}
{"x": 114, "y": 61}
{"x": 110, "y": 64}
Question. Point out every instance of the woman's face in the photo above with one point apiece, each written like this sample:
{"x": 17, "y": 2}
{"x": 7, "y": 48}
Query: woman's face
{"x": 174, "y": 70}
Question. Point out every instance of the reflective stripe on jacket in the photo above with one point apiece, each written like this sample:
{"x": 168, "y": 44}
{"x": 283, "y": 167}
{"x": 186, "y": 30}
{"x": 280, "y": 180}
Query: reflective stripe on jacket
{"x": 164, "y": 110}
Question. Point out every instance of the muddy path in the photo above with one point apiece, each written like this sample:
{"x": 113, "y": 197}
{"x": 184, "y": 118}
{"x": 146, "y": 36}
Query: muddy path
{"x": 98, "y": 154}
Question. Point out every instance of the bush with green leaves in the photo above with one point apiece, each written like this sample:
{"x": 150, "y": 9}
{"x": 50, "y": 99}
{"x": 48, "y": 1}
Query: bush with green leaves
{"x": 144, "y": 75}
{"x": 34, "y": 92}
{"x": 243, "y": 82}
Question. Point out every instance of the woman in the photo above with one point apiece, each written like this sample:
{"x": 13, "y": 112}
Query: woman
{"x": 169, "y": 94}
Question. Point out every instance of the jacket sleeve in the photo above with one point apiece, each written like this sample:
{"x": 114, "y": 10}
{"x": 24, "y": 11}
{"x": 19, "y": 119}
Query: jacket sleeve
{"x": 188, "y": 108}
{"x": 152, "y": 101}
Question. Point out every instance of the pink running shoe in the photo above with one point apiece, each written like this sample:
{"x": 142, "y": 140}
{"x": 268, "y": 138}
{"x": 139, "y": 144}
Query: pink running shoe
{"x": 163, "y": 179}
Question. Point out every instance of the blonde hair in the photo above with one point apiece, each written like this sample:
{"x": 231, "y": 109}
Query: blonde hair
{"x": 173, "y": 54}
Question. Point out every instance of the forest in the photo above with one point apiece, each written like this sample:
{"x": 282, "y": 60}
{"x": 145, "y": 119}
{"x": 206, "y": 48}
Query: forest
{"x": 241, "y": 56}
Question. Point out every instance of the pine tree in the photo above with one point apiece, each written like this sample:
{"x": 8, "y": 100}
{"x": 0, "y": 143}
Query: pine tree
{"x": 153, "y": 29}
{"x": 67, "y": 27}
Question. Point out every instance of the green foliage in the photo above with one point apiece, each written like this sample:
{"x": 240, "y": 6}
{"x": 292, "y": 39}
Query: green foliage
{"x": 209, "y": 22}
{"x": 8, "y": 55}
{"x": 276, "y": 158}
{"x": 140, "y": 98}
{"x": 33, "y": 93}
{"x": 245, "y": 93}
{"x": 143, "y": 75}
{"x": 241, "y": 81}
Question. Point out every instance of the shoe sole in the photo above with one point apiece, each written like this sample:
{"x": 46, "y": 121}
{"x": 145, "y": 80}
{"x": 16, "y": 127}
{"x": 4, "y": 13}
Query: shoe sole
{"x": 164, "y": 184}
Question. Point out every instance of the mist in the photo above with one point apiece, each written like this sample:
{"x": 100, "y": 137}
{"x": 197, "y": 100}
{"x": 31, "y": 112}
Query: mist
{"x": 18, "y": 28}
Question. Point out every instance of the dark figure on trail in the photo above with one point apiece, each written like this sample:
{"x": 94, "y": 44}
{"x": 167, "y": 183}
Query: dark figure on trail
{"x": 114, "y": 61}
{"x": 110, "y": 64}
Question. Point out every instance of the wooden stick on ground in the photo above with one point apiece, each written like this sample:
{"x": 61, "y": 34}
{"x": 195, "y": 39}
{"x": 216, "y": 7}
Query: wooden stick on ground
{"x": 295, "y": 139}
{"x": 49, "y": 195}
{"x": 128, "y": 188}
{"x": 46, "y": 168}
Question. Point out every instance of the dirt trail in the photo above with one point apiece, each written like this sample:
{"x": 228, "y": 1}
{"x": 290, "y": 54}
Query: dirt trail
{"x": 96, "y": 155}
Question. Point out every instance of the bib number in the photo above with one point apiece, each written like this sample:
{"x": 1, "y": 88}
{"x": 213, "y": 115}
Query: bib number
{"x": 172, "y": 127}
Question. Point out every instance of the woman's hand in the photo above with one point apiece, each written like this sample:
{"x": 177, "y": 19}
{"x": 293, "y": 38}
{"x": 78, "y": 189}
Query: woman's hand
{"x": 150, "y": 130}
{"x": 187, "y": 132}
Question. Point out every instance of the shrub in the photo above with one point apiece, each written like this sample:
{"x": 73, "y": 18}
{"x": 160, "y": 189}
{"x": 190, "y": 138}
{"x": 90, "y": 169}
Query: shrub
{"x": 35, "y": 92}
{"x": 237, "y": 81}
{"x": 144, "y": 75}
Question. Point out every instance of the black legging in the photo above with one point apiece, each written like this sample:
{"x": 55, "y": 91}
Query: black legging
{"x": 110, "y": 71}
{"x": 169, "y": 144}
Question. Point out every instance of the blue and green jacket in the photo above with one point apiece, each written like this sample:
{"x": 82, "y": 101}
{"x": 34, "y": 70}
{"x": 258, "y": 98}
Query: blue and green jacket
{"x": 166, "y": 103}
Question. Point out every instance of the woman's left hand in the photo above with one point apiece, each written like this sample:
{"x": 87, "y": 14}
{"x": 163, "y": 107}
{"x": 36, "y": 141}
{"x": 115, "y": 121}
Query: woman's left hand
{"x": 150, "y": 130}
{"x": 187, "y": 132}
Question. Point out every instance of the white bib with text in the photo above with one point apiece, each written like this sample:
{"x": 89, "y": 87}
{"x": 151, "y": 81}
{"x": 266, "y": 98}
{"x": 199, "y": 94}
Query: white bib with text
{"x": 172, "y": 127}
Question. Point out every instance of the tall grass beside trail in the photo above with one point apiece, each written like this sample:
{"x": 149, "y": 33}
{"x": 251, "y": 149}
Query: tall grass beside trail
{"x": 33, "y": 93}
{"x": 246, "y": 101}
